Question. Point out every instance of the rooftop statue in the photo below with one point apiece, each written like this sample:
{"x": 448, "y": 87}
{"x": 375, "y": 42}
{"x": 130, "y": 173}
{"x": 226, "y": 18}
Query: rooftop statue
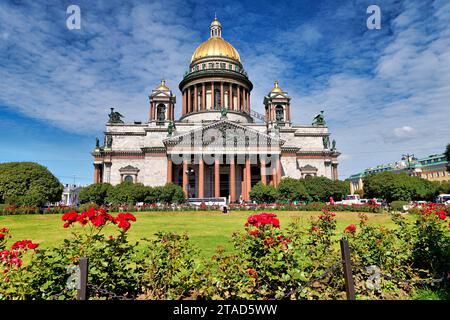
{"x": 326, "y": 142}
{"x": 223, "y": 113}
{"x": 170, "y": 128}
{"x": 333, "y": 145}
{"x": 108, "y": 141}
{"x": 115, "y": 117}
{"x": 97, "y": 142}
{"x": 319, "y": 120}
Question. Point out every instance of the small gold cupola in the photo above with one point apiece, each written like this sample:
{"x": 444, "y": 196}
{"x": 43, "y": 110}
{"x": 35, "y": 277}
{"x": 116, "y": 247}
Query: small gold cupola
{"x": 276, "y": 87}
{"x": 216, "y": 29}
{"x": 162, "y": 86}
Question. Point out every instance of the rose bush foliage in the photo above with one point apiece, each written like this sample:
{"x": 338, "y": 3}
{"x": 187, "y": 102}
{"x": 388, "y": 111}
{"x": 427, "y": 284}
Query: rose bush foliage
{"x": 269, "y": 261}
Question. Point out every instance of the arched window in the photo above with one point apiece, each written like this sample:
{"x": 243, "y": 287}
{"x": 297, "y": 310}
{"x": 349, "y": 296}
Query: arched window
{"x": 279, "y": 113}
{"x": 128, "y": 179}
{"x": 161, "y": 112}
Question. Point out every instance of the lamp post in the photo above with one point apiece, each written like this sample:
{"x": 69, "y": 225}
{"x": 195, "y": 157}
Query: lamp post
{"x": 189, "y": 172}
{"x": 409, "y": 157}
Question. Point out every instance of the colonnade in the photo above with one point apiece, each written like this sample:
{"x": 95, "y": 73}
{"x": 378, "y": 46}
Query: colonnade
{"x": 214, "y": 95}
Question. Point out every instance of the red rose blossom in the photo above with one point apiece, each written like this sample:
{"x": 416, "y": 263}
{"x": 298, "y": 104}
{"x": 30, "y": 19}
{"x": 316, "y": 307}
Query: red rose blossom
{"x": 351, "y": 228}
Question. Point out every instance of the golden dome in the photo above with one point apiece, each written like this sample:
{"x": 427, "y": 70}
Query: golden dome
{"x": 162, "y": 86}
{"x": 215, "y": 47}
{"x": 276, "y": 88}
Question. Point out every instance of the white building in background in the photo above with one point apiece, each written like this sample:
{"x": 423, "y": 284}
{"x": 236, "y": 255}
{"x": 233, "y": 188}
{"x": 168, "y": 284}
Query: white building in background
{"x": 70, "y": 195}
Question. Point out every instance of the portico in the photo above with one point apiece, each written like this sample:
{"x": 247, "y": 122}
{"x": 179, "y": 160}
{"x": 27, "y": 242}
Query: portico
{"x": 223, "y": 160}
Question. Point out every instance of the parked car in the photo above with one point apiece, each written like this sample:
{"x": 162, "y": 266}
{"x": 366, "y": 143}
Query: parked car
{"x": 350, "y": 199}
{"x": 208, "y": 201}
{"x": 443, "y": 199}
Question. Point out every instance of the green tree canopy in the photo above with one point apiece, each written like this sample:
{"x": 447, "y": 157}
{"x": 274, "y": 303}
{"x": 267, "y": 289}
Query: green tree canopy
{"x": 28, "y": 183}
{"x": 94, "y": 193}
{"x": 322, "y": 188}
{"x": 399, "y": 186}
{"x": 264, "y": 193}
{"x": 127, "y": 193}
{"x": 291, "y": 190}
{"x": 170, "y": 193}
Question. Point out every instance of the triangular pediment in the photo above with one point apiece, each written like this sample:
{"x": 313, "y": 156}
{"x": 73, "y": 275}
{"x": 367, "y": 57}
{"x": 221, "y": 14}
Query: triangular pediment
{"x": 308, "y": 168}
{"x": 224, "y": 133}
{"x": 160, "y": 93}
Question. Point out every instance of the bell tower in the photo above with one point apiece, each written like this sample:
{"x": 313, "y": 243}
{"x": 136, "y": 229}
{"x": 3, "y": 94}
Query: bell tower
{"x": 277, "y": 106}
{"x": 162, "y": 104}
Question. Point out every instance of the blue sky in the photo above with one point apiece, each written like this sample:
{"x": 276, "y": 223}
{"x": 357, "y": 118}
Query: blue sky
{"x": 385, "y": 92}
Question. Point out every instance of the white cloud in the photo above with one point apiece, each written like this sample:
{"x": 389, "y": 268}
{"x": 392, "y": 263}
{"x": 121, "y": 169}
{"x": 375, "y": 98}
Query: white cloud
{"x": 405, "y": 132}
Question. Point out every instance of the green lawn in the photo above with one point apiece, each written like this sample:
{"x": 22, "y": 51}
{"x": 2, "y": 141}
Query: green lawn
{"x": 207, "y": 229}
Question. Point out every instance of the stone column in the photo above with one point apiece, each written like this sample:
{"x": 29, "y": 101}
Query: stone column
{"x": 263, "y": 171}
{"x": 244, "y": 183}
{"x": 279, "y": 173}
{"x": 248, "y": 178}
{"x": 216, "y": 178}
{"x": 238, "y": 107}
{"x": 248, "y": 101}
{"x": 245, "y": 100}
{"x": 230, "y": 96}
{"x": 274, "y": 173}
{"x": 195, "y": 98}
{"x": 232, "y": 180}
{"x": 151, "y": 112}
{"x": 96, "y": 173}
{"x": 189, "y": 100}
{"x": 222, "y": 102}
{"x": 185, "y": 177}
{"x": 184, "y": 103}
{"x": 169, "y": 169}
{"x": 334, "y": 172}
{"x": 288, "y": 112}
{"x": 201, "y": 179}
{"x": 213, "y": 96}
{"x": 203, "y": 107}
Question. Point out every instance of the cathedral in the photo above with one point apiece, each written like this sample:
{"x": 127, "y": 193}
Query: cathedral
{"x": 217, "y": 148}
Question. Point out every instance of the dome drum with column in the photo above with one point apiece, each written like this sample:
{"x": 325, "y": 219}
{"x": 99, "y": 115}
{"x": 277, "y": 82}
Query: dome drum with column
{"x": 215, "y": 80}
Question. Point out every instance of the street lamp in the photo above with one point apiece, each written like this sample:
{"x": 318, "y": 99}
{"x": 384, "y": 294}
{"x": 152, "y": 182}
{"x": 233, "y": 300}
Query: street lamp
{"x": 189, "y": 172}
{"x": 409, "y": 157}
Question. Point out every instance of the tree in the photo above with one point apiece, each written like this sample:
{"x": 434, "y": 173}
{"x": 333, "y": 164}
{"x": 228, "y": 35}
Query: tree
{"x": 127, "y": 193}
{"x": 28, "y": 183}
{"x": 171, "y": 193}
{"x": 94, "y": 193}
{"x": 291, "y": 190}
{"x": 264, "y": 193}
{"x": 322, "y": 188}
{"x": 399, "y": 187}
